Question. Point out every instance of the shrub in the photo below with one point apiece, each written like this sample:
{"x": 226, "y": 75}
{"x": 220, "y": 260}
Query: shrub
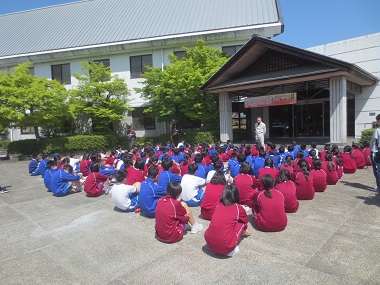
{"x": 63, "y": 144}
{"x": 165, "y": 137}
{"x": 4, "y": 144}
{"x": 366, "y": 135}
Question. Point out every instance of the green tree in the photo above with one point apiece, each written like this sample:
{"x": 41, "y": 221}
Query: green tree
{"x": 28, "y": 100}
{"x": 99, "y": 95}
{"x": 176, "y": 89}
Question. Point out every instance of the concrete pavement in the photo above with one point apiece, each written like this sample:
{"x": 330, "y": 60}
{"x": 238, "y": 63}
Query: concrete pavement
{"x": 333, "y": 239}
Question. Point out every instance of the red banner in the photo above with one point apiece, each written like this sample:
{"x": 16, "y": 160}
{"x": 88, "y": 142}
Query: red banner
{"x": 271, "y": 100}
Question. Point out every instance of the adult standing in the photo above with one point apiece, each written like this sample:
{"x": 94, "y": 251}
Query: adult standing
{"x": 260, "y": 130}
{"x": 131, "y": 133}
{"x": 175, "y": 135}
{"x": 374, "y": 145}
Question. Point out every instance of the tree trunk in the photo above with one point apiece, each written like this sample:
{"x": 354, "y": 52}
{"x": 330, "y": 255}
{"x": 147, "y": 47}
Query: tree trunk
{"x": 37, "y": 133}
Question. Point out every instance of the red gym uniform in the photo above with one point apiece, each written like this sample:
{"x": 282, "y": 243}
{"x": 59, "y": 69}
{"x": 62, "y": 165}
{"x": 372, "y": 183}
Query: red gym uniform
{"x": 170, "y": 220}
{"x": 288, "y": 189}
{"x": 211, "y": 199}
{"x": 367, "y": 156}
{"x": 134, "y": 175}
{"x": 226, "y": 227}
{"x": 93, "y": 186}
{"x": 331, "y": 175}
{"x": 270, "y": 213}
{"x": 319, "y": 180}
{"x": 244, "y": 183}
{"x": 305, "y": 188}
{"x": 359, "y": 158}
{"x": 84, "y": 166}
{"x": 349, "y": 165}
{"x": 287, "y": 167}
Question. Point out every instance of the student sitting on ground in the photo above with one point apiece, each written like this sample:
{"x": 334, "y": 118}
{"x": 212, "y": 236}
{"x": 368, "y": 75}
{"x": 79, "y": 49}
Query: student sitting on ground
{"x": 42, "y": 164}
{"x": 349, "y": 165}
{"x": 172, "y": 216}
{"x": 269, "y": 207}
{"x": 74, "y": 162}
{"x": 106, "y": 169}
{"x": 304, "y": 182}
{"x": 166, "y": 176}
{"x": 287, "y": 187}
{"x": 64, "y": 182}
{"x": 228, "y": 224}
{"x": 192, "y": 187}
{"x": 319, "y": 176}
{"x": 51, "y": 168}
{"x": 330, "y": 169}
{"x": 288, "y": 164}
{"x": 125, "y": 197}
{"x": 212, "y": 195}
{"x": 84, "y": 164}
{"x": 246, "y": 185}
{"x": 367, "y": 154}
{"x": 95, "y": 182}
{"x": 268, "y": 169}
{"x": 33, "y": 165}
{"x": 150, "y": 193}
{"x": 358, "y": 156}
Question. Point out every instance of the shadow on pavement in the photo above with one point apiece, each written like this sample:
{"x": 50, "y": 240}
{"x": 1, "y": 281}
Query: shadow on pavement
{"x": 374, "y": 200}
{"x": 358, "y": 185}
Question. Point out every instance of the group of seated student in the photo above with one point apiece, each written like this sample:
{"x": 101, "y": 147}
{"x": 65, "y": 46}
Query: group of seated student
{"x": 225, "y": 181}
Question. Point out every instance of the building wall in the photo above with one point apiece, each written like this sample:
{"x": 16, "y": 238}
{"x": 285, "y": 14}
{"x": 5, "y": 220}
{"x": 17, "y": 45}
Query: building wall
{"x": 119, "y": 65}
{"x": 364, "y": 52}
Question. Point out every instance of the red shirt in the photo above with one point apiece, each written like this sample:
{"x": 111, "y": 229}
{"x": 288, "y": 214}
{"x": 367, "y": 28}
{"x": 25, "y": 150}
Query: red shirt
{"x": 84, "y": 166}
{"x": 110, "y": 160}
{"x": 349, "y": 165}
{"x": 226, "y": 227}
{"x": 322, "y": 155}
{"x": 305, "y": 188}
{"x": 309, "y": 161}
{"x": 331, "y": 174}
{"x": 170, "y": 215}
{"x": 288, "y": 189}
{"x": 367, "y": 153}
{"x": 244, "y": 183}
{"x": 359, "y": 158}
{"x": 92, "y": 185}
{"x": 211, "y": 199}
{"x": 184, "y": 168}
{"x": 339, "y": 171}
{"x": 268, "y": 170}
{"x": 287, "y": 167}
{"x": 206, "y": 161}
{"x": 319, "y": 180}
{"x": 134, "y": 175}
{"x": 270, "y": 213}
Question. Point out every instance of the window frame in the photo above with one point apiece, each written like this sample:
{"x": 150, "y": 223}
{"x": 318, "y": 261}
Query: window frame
{"x": 61, "y": 77}
{"x": 140, "y": 65}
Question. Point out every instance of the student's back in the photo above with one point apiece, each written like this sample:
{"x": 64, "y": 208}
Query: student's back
{"x": 270, "y": 213}
{"x": 150, "y": 193}
{"x": 288, "y": 189}
{"x": 349, "y": 165}
{"x": 211, "y": 199}
{"x": 304, "y": 186}
{"x": 319, "y": 180}
{"x": 359, "y": 158}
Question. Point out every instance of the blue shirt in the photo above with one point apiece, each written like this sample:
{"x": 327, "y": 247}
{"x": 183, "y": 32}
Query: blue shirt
{"x": 47, "y": 177}
{"x": 59, "y": 182}
{"x": 203, "y": 170}
{"x": 166, "y": 177}
{"x": 259, "y": 163}
{"x": 42, "y": 167}
{"x": 149, "y": 195}
{"x": 33, "y": 165}
{"x": 107, "y": 170}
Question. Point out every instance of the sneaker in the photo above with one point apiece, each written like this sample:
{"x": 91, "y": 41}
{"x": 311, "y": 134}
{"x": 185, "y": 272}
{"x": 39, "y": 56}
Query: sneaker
{"x": 187, "y": 227}
{"x": 138, "y": 210}
{"x": 196, "y": 228}
{"x": 377, "y": 190}
{"x": 108, "y": 190}
{"x": 232, "y": 253}
{"x": 3, "y": 191}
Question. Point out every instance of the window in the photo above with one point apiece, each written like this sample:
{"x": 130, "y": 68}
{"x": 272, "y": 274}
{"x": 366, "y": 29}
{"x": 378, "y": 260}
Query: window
{"x": 179, "y": 54}
{"x": 138, "y": 64}
{"x": 142, "y": 121}
{"x": 231, "y": 50}
{"x": 106, "y": 62}
{"x": 61, "y": 73}
{"x": 27, "y": 130}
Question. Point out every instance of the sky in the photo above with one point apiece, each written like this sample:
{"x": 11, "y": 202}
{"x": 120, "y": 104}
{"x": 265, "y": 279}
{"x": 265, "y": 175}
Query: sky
{"x": 308, "y": 23}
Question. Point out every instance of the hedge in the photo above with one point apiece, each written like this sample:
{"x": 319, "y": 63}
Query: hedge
{"x": 193, "y": 136}
{"x": 63, "y": 144}
{"x": 366, "y": 135}
{"x": 4, "y": 144}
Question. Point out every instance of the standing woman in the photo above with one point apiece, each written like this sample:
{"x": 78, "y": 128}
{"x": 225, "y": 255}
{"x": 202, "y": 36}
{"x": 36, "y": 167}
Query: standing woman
{"x": 131, "y": 133}
{"x": 304, "y": 182}
{"x": 269, "y": 207}
{"x": 175, "y": 135}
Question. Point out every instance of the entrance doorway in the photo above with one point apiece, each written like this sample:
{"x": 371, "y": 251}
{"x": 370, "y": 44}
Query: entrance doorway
{"x": 301, "y": 120}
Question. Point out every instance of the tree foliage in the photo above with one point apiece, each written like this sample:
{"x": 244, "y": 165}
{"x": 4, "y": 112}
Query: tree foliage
{"x": 99, "y": 95}
{"x": 28, "y": 100}
{"x": 176, "y": 89}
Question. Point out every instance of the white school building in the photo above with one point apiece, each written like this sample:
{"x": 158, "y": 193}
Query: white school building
{"x": 336, "y": 84}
